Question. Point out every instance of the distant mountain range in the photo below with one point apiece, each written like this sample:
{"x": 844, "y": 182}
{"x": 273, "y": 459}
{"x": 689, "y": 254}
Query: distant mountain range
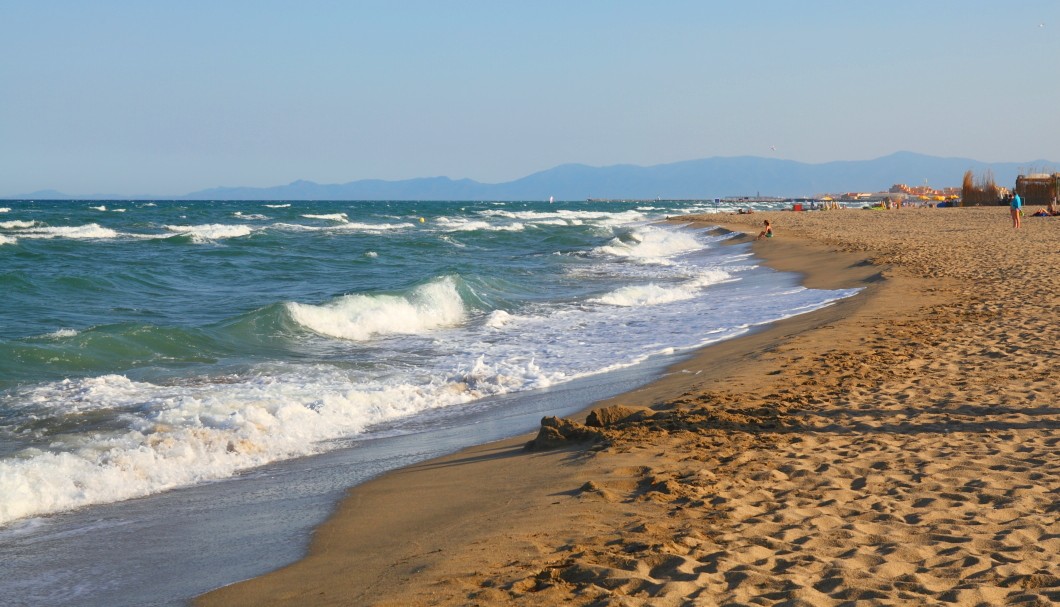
{"x": 692, "y": 179}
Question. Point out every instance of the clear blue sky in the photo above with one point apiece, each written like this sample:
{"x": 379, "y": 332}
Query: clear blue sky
{"x": 146, "y": 97}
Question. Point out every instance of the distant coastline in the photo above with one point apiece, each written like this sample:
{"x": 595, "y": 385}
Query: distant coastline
{"x": 704, "y": 179}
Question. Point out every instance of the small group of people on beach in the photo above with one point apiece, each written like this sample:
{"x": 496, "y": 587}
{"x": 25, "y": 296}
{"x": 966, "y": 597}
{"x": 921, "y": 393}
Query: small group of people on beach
{"x": 1053, "y": 210}
{"x": 1016, "y": 208}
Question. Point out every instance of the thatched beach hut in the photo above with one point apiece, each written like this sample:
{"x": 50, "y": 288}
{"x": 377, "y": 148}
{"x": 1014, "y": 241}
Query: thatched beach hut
{"x": 1038, "y": 188}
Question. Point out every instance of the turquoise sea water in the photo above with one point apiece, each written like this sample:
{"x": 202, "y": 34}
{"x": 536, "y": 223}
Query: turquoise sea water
{"x": 152, "y": 346}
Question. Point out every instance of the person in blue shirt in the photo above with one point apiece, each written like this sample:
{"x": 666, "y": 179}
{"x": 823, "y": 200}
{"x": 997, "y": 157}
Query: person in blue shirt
{"x": 1016, "y": 208}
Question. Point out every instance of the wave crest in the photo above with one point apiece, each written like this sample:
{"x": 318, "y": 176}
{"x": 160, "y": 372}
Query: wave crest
{"x": 340, "y": 217}
{"x": 87, "y": 231}
{"x": 651, "y": 245}
{"x": 361, "y": 317}
{"x": 16, "y": 224}
{"x": 211, "y": 231}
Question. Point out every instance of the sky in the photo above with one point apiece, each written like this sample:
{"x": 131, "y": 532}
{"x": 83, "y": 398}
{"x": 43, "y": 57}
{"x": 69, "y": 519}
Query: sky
{"x": 167, "y": 98}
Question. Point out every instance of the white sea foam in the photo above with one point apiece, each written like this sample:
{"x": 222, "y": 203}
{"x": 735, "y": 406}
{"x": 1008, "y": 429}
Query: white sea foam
{"x": 361, "y": 317}
{"x": 297, "y": 227}
{"x": 16, "y": 224}
{"x": 211, "y": 231}
{"x": 450, "y": 240}
{"x": 99, "y": 208}
{"x": 712, "y": 277}
{"x": 278, "y": 206}
{"x": 87, "y": 231}
{"x": 465, "y": 225}
{"x": 329, "y": 217}
{"x": 5, "y": 209}
{"x": 254, "y": 216}
{"x": 647, "y": 295}
{"x": 370, "y": 227}
{"x": 117, "y": 210}
{"x": 654, "y": 294}
{"x": 176, "y": 435}
{"x": 62, "y": 333}
{"x": 343, "y": 227}
{"x": 25, "y": 527}
{"x": 650, "y": 244}
{"x": 371, "y": 254}
{"x": 572, "y": 217}
{"x": 8, "y": 240}
{"x": 498, "y": 319}
{"x": 180, "y": 435}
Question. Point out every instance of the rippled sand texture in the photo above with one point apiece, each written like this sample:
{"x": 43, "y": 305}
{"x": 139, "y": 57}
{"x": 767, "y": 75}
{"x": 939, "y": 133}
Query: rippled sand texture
{"x": 923, "y": 461}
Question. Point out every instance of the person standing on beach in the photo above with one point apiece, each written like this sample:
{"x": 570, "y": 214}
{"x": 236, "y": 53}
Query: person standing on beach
{"x": 1016, "y": 208}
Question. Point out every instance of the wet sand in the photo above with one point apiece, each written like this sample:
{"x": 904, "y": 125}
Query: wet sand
{"x": 901, "y": 447}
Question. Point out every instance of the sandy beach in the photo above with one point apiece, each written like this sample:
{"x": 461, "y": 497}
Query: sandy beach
{"x": 901, "y": 447}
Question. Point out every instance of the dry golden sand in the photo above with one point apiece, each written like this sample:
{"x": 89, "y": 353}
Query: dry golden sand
{"x": 899, "y": 448}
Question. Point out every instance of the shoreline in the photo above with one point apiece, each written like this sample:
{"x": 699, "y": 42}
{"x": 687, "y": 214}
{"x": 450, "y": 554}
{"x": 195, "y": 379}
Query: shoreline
{"x": 396, "y": 491}
{"x": 646, "y": 514}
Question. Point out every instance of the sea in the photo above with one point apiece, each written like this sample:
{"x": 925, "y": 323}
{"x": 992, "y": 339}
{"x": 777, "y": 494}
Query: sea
{"x": 188, "y": 388}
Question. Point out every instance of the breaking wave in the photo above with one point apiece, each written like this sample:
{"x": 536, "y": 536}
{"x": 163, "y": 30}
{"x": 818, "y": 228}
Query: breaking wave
{"x": 362, "y": 317}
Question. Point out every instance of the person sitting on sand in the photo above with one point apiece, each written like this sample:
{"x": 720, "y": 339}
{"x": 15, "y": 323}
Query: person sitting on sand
{"x": 767, "y": 232}
{"x": 1042, "y": 213}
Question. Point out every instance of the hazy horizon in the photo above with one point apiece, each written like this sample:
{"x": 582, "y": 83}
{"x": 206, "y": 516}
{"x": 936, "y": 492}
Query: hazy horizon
{"x": 122, "y": 98}
{"x": 691, "y": 179}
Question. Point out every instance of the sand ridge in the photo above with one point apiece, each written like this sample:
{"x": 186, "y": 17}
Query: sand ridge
{"x": 899, "y": 448}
